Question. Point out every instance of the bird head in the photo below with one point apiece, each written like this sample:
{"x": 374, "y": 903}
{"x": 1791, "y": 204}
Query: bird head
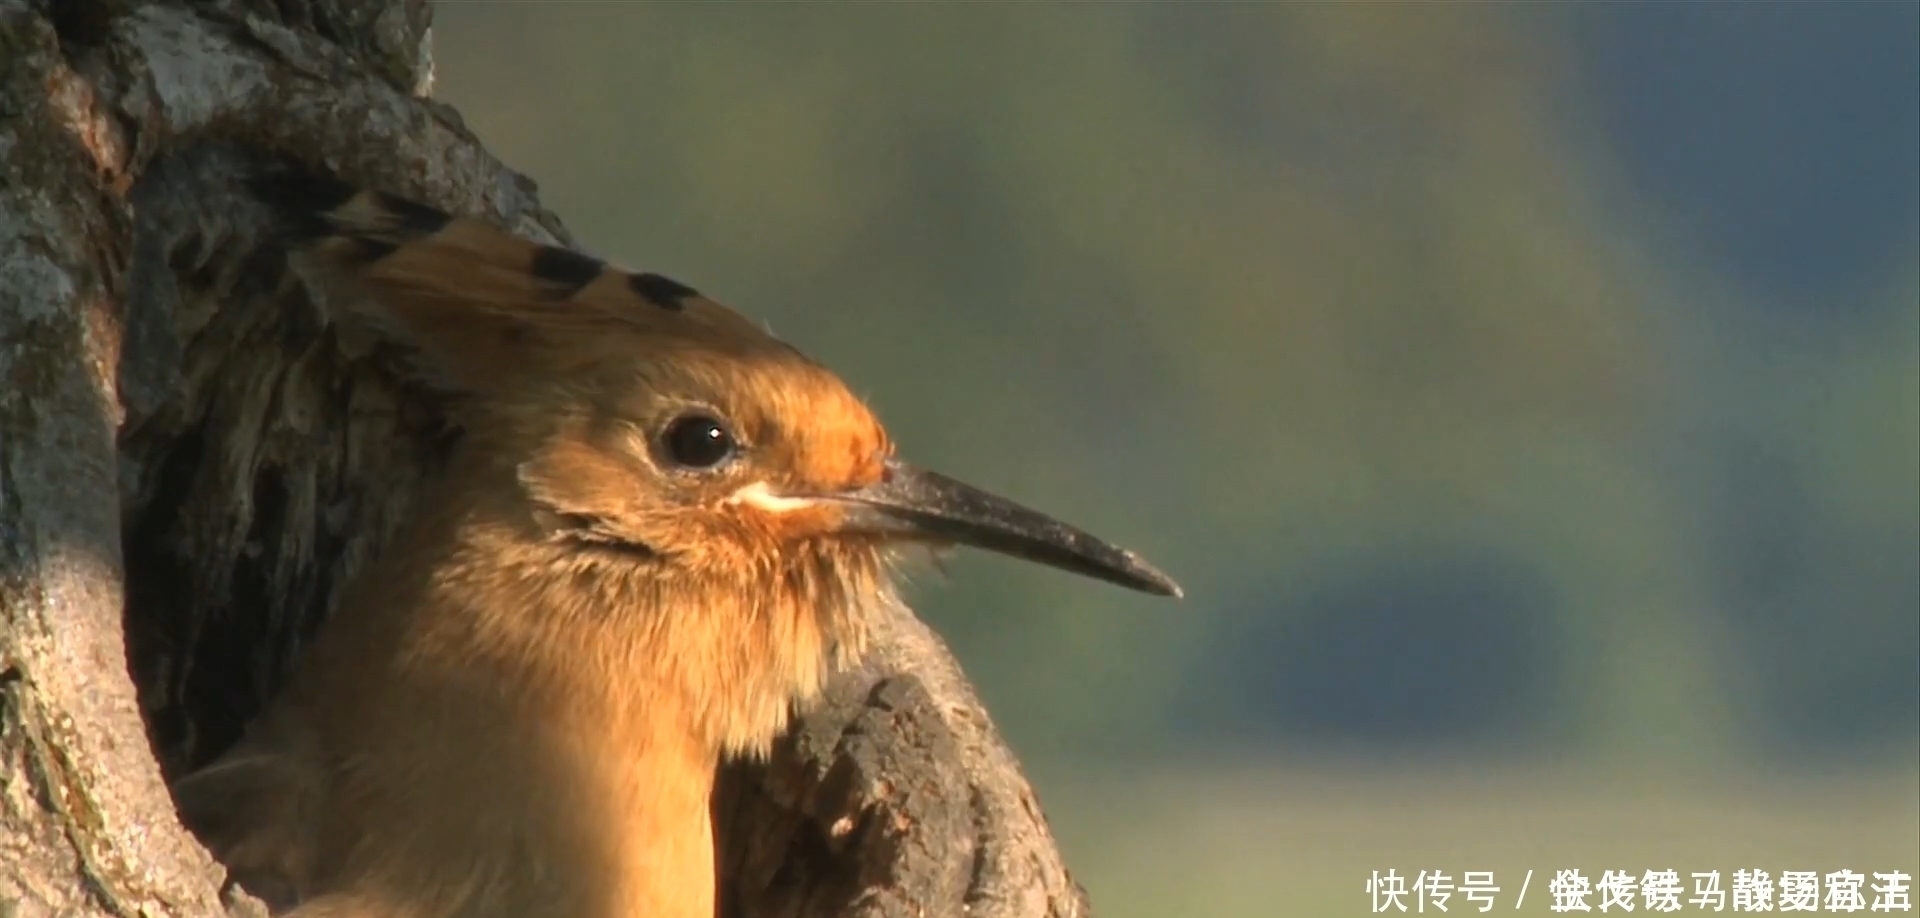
{"x": 653, "y": 436}
{"x": 647, "y": 419}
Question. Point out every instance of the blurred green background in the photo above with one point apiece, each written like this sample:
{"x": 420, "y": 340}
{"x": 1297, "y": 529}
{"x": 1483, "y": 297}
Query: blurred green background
{"x": 1528, "y": 396}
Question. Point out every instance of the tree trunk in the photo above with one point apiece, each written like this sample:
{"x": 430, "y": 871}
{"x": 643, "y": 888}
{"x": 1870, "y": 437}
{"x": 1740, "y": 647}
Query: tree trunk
{"x": 191, "y": 463}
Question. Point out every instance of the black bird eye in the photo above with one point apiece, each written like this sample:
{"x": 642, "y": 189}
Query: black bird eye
{"x": 697, "y": 442}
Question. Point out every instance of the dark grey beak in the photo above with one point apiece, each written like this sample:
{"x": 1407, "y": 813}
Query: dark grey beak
{"x": 927, "y": 506}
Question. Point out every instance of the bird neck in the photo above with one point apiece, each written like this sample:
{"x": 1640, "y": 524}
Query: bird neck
{"x": 720, "y": 657}
{"x": 571, "y": 706}
{"x": 569, "y": 772}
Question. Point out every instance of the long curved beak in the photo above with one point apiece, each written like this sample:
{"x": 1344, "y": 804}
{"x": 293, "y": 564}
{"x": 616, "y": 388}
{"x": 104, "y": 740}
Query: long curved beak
{"x": 914, "y": 503}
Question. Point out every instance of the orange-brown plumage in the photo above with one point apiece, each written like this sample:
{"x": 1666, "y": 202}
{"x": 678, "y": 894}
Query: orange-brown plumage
{"x": 662, "y": 531}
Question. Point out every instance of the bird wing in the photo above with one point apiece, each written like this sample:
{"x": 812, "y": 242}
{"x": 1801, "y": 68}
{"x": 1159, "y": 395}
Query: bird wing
{"x": 254, "y": 807}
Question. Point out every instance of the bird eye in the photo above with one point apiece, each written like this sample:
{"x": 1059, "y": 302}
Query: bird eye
{"x": 697, "y": 442}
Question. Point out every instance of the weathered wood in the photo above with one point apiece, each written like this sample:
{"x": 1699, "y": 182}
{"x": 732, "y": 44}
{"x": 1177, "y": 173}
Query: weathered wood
{"x": 181, "y": 433}
{"x": 84, "y": 818}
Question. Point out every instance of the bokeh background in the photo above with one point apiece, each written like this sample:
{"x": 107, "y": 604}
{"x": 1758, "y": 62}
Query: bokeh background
{"x": 1527, "y": 395}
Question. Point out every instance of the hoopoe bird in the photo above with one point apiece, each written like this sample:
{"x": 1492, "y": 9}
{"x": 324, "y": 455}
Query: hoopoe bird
{"x": 661, "y": 532}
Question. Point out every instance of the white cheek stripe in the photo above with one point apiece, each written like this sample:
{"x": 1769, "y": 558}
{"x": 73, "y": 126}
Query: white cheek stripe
{"x": 757, "y": 495}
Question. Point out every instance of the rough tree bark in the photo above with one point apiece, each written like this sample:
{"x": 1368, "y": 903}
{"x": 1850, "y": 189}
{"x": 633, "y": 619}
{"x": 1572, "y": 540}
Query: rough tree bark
{"x": 191, "y": 463}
